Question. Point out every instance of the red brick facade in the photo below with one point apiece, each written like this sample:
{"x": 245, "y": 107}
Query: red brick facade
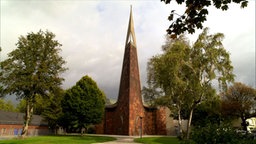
{"x": 128, "y": 116}
{"x": 9, "y": 129}
{"x": 11, "y": 124}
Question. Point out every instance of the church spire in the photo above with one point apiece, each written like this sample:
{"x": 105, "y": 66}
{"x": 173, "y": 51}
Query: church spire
{"x": 130, "y": 37}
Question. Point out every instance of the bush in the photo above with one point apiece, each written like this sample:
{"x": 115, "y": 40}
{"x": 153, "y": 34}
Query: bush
{"x": 218, "y": 134}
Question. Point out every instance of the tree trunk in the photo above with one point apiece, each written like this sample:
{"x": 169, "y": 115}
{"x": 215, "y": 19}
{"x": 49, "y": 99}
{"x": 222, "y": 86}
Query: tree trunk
{"x": 27, "y": 118}
{"x": 179, "y": 124}
{"x": 244, "y": 125}
{"x": 82, "y": 131}
{"x": 189, "y": 123}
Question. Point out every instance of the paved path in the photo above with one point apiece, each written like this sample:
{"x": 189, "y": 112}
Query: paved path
{"x": 120, "y": 139}
{"x": 124, "y": 139}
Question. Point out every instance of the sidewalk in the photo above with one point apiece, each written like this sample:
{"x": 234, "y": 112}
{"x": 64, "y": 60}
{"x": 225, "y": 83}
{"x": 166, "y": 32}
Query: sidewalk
{"x": 7, "y": 137}
{"x": 122, "y": 139}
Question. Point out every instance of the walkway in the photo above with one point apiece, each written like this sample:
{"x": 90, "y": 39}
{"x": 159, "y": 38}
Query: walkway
{"x": 120, "y": 139}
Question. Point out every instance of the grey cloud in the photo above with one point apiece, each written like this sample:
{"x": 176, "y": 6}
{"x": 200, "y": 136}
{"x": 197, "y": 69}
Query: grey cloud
{"x": 93, "y": 36}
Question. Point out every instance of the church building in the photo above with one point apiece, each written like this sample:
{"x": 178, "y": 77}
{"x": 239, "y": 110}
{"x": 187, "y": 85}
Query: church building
{"x": 128, "y": 116}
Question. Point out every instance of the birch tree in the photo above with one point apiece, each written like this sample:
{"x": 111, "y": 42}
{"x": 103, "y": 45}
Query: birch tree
{"x": 186, "y": 73}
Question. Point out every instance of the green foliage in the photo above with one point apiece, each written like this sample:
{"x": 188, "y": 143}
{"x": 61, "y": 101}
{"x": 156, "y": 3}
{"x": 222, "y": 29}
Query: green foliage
{"x": 195, "y": 14}
{"x": 218, "y": 134}
{"x": 207, "y": 112}
{"x": 59, "y": 140}
{"x": 38, "y": 106}
{"x": 21, "y": 106}
{"x": 34, "y": 67}
{"x": 6, "y": 105}
{"x": 211, "y": 60}
{"x": 167, "y": 74}
{"x": 32, "y": 70}
{"x": 185, "y": 73}
{"x": 164, "y": 70}
{"x": 150, "y": 95}
{"x": 83, "y": 104}
{"x": 53, "y": 110}
{"x": 209, "y": 109}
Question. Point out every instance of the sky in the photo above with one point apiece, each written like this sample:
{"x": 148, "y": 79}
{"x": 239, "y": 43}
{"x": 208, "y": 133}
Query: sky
{"x": 93, "y": 34}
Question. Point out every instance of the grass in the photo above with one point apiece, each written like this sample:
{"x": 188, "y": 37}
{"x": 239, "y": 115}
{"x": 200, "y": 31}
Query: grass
{"x": 158, "y": 140}
{"x": 59, "y": 140}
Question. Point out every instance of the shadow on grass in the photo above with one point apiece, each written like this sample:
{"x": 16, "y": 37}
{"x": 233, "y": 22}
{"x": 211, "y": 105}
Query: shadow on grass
{"x": 158, "y": 140}
{"x": 167, "y": 140}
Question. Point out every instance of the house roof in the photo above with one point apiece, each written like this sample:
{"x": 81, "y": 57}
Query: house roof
{"x": 18, "y": 119}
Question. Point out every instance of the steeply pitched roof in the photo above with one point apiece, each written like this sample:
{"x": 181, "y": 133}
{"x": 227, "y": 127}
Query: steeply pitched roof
{"x": 130, "y": 37}
{"x": 18, "y": 119}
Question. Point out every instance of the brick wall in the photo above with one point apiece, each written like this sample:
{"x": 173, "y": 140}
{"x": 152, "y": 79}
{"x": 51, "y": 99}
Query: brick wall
{"x": 8, "y": 130}
{"x": 128, "y": 116}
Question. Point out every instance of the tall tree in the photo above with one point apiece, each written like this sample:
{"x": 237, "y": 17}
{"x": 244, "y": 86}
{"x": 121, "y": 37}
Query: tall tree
{"x": 239, "y": 101}
{"x": 209, "y": 62}
{"x": 195, "y": 14}
{"x": 185, "y": 73}
{"x": 83, "y": 104}
{"x": 32, "y": 70}
{"x": 163, "y": 73}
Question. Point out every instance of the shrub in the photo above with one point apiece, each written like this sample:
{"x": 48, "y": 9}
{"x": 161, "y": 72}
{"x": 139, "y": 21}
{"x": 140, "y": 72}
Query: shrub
{"x": 218, "y": 134}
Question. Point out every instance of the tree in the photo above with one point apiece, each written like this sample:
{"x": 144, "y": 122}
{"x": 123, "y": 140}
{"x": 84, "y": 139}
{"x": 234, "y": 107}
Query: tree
{"x": 239, "y": 101}
{"x": 163, "y": 73}
{"x": 150, "y": 95}
{"x": 185, "y": 73}
{"x": 6, "y": 105}
{"x": 32, "y": 70}
{"x": 210, "y": 62}
{"x": 53, "y": 110}
{"x": 83, "y": 104}
{"x": 195, "y": 14}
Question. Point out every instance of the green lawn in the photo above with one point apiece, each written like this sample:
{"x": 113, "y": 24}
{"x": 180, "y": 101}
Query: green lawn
{"x": 158, "y": 140}
{"x": 58, "y": 140}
